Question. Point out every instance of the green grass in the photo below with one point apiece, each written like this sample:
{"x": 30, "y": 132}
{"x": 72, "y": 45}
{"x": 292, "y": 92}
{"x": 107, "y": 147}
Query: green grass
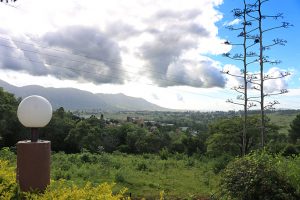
{"x": 144, "y": 176}
{"x": 283, "y": 120}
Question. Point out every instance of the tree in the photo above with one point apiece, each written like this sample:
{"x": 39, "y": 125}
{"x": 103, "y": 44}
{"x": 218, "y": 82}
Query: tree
{"x": 252, "y": 16}
{"x": 294, "y": 132}
{"x": 226, "y": 136}
{"x": 264, "y": 59}
{"x": 246, "y": 29}
{"x": 58, "y": 129}
{"x": 11, "y": 129}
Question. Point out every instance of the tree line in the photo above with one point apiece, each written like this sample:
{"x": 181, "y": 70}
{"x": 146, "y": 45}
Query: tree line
{"x": 71, "y": 134}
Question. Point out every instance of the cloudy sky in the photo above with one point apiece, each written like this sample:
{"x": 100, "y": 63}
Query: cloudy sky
{"x": 167, "y": 52}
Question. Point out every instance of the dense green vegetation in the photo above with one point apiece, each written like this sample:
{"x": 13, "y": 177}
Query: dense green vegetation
{"x": 145, "y": 175}
{"x": 177, "y": 175}
{"x": 261, "y": 176}
{"x": 60, "y": 190}
{"x": 182, "y": 154}
{"x": 10, "y": 128}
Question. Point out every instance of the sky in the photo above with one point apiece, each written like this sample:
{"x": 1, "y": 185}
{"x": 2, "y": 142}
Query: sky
{"x": 167, "y": 52}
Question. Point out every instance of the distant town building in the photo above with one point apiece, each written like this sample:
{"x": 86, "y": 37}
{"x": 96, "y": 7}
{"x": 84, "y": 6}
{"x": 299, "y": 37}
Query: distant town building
{"x": 136, "y": 120}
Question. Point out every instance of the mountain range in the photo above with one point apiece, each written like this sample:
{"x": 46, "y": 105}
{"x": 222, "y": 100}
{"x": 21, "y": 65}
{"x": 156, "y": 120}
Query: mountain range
{"x": 75, "y": 99}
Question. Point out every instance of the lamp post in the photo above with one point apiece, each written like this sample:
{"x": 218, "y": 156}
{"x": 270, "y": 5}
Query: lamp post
{"x": 33, "y": 156}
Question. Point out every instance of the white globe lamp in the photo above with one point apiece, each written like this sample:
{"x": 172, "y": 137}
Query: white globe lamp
{"x": 34, "y": 112}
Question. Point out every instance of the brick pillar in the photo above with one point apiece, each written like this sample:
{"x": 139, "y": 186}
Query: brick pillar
{"x": 33, "y": 165}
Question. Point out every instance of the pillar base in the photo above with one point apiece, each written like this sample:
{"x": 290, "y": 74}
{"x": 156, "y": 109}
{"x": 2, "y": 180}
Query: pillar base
{"x": 33, "y": 165}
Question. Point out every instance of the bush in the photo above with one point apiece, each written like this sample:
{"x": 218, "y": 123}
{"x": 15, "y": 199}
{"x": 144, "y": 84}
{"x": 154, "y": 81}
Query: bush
{"x": 221, "y": 162}
{"x": 164, "y": 154}
{"x": 60, "y": 190}
{"x": 289, "y": 166}
{"x": 190, "y": 162}
{"x": 290, "y": 150}
{"x": 255, "y": 177}
{"x": 88, "y": 158}
{"x": 8, "y": 185}
{"x": 119, "y": 178}
{"x": 142, "y": 166}
{"x": 7, "y": 154}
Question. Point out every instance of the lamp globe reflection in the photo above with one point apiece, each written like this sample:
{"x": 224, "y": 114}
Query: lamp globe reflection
{"x": 34, "y": 112}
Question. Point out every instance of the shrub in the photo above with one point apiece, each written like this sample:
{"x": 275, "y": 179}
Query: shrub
{"x": 8, "y": 185}
{"x": 148, "y": 156}
{"x": 190, "y": 162}
{"x": 179, "y": 156}
{"x": 255, "y": 177}
{"x": 142, "y": 166}
{"x": 221, "y": 162}
{"x": 164, "y": 154}
{"x": 119, "y": 178}
{"x": 290, "y": 150}
{"x": 290, "y": 167}
{"x": 88, "y": 158}
{"x": 7, "y": 154}
{"x": 59, "y": 190}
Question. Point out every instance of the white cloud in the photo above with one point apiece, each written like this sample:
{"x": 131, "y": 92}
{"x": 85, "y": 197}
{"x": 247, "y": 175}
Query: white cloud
{"x": 233, "y": 22}
{"x": 277, "y": 84}
{"x": 149, "y": 36}
{"x": 179, "y": 97}
{"x": 233, "y": 81}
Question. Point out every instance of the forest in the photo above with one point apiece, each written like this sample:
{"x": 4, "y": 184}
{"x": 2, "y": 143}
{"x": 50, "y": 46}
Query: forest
{"x": 152, "y": 160}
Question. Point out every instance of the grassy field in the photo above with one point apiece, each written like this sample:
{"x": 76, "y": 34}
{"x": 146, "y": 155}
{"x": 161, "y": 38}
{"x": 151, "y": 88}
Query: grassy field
{"x": 283, "y": 120}
{"x": 143, "y": 175}
{"x": 146, "y": 176}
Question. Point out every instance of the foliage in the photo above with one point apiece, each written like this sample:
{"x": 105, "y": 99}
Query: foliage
{"x": 178, "y": 177}
{"x": 164, "y": 154}
{"x": 8, "y": 155}
{"x": 294, "y": 132}
{"x": 226, "y": 135}
{"x": 291, "y": 149}
{"x": 221, "y": 162}
{"x": 71, "y": 134}
{"x": 58, "y": 129}
{"x": 8, "y": 185}
{"x": 60, "y": 190}
{"x": 257, "y": 176}
{"x": 10, "y": 129}
{"x": 143, "y": 175}
{"x": 146, "y": 161}
{"x": 289, "y": 166}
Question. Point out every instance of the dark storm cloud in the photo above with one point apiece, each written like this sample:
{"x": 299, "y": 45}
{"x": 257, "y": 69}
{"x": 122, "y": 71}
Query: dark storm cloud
{"x": 100, "y": 61}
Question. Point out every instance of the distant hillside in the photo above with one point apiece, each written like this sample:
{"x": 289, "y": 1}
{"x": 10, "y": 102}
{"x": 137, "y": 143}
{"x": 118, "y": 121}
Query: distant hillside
{"x": 74, "y": 99}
